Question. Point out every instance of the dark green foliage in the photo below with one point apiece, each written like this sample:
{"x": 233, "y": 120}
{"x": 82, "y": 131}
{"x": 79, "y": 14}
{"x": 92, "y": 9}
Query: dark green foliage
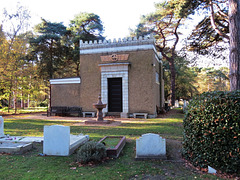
{"x": 91, "y": 151}
{"x": 86, "y": 26}
{"x": 204, "y": 36}
{"x": 185, "y": 79}
{"x": 44, "y": 103}
{"x": 212, "y": 131}
{"x": 50, "y": 48}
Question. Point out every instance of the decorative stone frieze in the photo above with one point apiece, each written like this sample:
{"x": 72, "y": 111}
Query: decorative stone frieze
{"x": 115, "y": 57}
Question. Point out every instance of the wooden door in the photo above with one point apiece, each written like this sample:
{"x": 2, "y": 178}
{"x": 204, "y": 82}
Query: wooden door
{"x": 114, "y": 94}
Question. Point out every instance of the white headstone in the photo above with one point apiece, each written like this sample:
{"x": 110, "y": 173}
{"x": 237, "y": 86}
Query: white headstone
{"x": 176, "y": 103}
{"x": 184, "y": 105}
{"x": 1, "y": 126}
{"x": 56, "y": 140}
{"x": 211, "y": 170}
{"x": 151, "y": 146}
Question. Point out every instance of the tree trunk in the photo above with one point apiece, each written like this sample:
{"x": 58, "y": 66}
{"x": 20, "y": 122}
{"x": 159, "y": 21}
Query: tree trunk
{"x": 28, "y": 101}
{"x": 9, "y": 101}
{"x": 22, "y": 101}
{"x": 51, "y": 61}
{"x": 234, "y": 55}
{"x": 10, "y": 95}
{"x": 173, "y": 78}
{"x": 78, "y": 69}
{"x": 15, "y": 103}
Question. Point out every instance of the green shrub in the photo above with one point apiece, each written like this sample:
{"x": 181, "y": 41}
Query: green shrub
{"x": 91, "y": 151}
{"x": 44, "y": 103}
{"x": 212, "y": 131}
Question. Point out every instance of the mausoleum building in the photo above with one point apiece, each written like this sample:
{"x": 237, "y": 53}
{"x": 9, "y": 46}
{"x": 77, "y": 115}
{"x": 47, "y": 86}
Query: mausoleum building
{"x": 128, "y": 74}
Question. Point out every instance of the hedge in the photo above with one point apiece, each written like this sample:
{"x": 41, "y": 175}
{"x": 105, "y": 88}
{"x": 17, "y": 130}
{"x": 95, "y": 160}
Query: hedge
{"x": 212, "y": 131}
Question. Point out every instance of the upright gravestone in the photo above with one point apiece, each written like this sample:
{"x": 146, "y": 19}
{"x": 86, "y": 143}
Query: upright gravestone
{"x": 56, "y": 140}
{"x": 150, "y": 146}
{"x": 1, "y": 127}
{"x": 176, "y": 104}
{"x": 184, "y": 105}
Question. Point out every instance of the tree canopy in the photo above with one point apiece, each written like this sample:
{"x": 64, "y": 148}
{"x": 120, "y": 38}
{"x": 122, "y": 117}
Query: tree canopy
{"x": 164, "y": 24}
{"x": 28, "y": 60}
{"x": 86, "y": 26}
{"x": 48, "y": 48}
{"x": 212, "y": 29}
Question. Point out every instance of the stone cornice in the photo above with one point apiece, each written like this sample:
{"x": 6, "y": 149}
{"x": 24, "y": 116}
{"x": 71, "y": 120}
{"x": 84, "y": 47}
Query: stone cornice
{"x": 121, "y": 42}
{"x": 122, "y": 45}
{"x": 75, "y": 80}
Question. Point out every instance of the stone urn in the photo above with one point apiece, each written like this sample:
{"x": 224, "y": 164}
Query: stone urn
{"x": 99, "y": 106}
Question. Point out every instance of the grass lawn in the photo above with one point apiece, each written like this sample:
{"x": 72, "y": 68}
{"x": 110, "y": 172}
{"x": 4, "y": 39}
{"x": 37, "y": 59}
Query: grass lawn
{"x": 4, "y": 111}
{"x": 111, "y": 142}
{"x": 32, "y": 166}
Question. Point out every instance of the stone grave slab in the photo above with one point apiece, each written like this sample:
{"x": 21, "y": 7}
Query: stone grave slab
{"x": 15, "y": 147}
{"x": 76, "y": 141}
{"x": 150, "y": 146}
{"x": 21, "y": 139}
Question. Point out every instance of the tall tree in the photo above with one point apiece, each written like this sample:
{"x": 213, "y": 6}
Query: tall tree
{"x": 185, "y": 79}
{"x": 234, "y": 55}
{"x": 48, "y": 48}
{"x": 86, "y": 27}
{"x": 211, "y": 79}
{"x": 164, "y": 23}
{"x": 225, "y": 18}
{"x": 13, "y": 47}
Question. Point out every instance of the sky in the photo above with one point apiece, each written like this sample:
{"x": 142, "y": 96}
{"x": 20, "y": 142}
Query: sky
{"x": 117, "y": 15}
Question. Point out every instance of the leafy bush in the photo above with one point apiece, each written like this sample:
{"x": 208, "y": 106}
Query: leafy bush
{"x": 43, "y": 103}
{"x": 212, "y": 131}
{"x": 91, "y": 151}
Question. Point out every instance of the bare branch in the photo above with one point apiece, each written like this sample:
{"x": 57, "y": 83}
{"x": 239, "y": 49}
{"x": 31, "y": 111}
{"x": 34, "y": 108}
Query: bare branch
{"x": 176, "y": 35}
{"x": 214, "y": 24}
{"x": 220, "y": 11}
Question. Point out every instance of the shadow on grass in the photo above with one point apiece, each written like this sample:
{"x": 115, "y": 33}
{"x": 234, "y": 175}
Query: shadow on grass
{"x": 168, "y": 128}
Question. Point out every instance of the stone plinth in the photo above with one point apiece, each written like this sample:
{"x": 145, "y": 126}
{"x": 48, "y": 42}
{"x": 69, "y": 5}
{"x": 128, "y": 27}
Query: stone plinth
{"x": 15, "y": 147}
{"x": 99, "y": 122}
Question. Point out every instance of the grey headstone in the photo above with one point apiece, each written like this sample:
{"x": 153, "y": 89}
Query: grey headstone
{"x": 1, "y": 126}
{"x": 150, "y": 146}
